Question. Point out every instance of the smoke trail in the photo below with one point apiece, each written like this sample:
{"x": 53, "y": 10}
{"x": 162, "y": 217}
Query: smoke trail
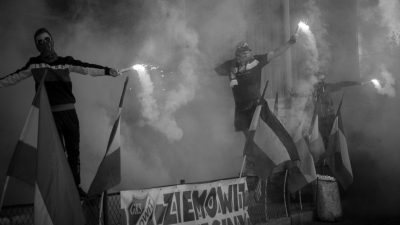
{"x": 319, "y": 27}
{"x": 388, "y": 88}
{"x": 161, "y": 116}
{"x": 162, "y": 121}
{"x": 308, "y": 44}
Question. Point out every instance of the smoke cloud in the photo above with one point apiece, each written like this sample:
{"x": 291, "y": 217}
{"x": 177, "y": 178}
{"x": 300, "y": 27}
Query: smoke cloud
{"x": 318, "y": 25}
{"x": 186, "y": 129}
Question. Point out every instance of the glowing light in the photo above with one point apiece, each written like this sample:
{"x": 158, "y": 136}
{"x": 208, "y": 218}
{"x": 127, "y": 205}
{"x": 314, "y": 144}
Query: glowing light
{"x": 376, "y": 83}
{"x": 139, "y": 67}
{"x": 303, "y": 26}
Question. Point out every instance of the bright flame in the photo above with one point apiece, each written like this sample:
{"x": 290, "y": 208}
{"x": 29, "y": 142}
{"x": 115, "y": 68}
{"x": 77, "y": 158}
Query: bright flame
{"x": 139, "y": 67}
{"x": 304, "y": 26}
{"x": 376, "y": 83}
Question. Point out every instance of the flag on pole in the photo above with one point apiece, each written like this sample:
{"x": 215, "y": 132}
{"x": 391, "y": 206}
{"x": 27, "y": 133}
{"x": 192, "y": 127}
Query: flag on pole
{"x": 317, "y": 147}
{"x": 268, "y": 143}
{"x": 109, "y": 172}
{"x": 39, "y": 160}
{"x": 304, "y": 171}
{"x": 337, "y": 154}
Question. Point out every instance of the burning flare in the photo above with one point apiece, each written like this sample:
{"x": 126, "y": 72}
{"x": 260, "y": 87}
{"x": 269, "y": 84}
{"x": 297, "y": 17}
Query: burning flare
{"x": 303, "y": 26}
{"x": 138, "y": 67}
{"x": 376, "y": 83}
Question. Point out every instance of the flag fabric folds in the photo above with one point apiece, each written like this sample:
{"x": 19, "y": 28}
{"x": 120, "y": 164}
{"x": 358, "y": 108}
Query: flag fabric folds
{"x": 268, "y": 143}
{"x": 39, "y": 160}
{"x": 109, "y": 172}
{"x": 337, "y": 154}
{"x": 304, "y": 170}
{"x": 317, "y": 147}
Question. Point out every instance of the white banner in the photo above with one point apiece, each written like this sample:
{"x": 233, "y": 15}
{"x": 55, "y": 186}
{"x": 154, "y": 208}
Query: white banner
{"x": 217, "y": 203}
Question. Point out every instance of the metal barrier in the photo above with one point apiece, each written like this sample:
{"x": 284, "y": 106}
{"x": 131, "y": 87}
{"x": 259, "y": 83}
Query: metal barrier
{"x": 266, "y": 201}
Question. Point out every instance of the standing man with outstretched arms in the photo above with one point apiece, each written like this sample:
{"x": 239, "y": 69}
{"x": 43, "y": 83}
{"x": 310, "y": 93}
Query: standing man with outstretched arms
{"x": 59, "y": 88}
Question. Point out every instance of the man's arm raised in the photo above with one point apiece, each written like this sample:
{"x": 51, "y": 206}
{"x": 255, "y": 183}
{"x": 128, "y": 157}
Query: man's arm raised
{"x": 281, "y": 49}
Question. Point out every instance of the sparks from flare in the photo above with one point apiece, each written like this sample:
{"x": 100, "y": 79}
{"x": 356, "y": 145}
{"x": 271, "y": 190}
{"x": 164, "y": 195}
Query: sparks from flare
{"x": 376, "y": 83}
{"x": 139, "y": 67}
{"x": 303, "y": 26}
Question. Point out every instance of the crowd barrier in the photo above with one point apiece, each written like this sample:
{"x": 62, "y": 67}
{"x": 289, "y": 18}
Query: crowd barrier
{"x": 266, "y": 201}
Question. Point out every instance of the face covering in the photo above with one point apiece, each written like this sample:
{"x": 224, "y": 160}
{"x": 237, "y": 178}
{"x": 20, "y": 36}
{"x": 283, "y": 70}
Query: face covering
{"x": 46, "y": 49}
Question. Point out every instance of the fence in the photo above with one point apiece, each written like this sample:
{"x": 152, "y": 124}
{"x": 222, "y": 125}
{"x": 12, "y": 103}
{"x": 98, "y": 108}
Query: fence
{"x": 267, "y": 200}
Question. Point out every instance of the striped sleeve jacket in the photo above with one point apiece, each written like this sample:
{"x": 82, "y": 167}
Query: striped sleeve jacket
{"x": 58, "y": 81}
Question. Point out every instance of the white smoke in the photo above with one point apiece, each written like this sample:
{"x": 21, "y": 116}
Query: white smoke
{"x": 388, "y": 88}
{"x": 161, "y": 116}
{"x": 390, "y": 14}
{"x": 307, "y": 42}
{"x": 318, "y": 26}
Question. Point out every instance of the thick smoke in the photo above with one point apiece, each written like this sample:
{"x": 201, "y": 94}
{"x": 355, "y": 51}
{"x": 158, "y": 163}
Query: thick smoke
{"x": 390, "y": 15}
{"x": 318, "y": 25}
{"x": 376, "y": 62}
{"x": 387, "y": 88}
{"x": 161, "y": 116}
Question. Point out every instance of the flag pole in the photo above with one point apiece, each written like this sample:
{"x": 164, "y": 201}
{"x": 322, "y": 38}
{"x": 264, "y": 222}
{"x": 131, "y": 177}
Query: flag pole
{"x": 4, "y": 192}
{"x": 301, "y": 205}
{"x": 284, "y": 193}
{"x": 244, "y": 159}
{"x": 101, "y": 207}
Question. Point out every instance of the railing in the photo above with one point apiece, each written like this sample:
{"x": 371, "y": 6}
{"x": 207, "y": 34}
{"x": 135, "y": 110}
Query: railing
{"x": 267, "y": 200}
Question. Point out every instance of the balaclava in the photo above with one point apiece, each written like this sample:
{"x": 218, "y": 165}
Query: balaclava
{"x": 46, "y": 49}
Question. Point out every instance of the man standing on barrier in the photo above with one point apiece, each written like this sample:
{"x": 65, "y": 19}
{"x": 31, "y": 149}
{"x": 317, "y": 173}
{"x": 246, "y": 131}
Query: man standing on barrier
{"x": 244, "y": 72}
{"x": 59, "y": 87}
{"x": 324, "y": 103}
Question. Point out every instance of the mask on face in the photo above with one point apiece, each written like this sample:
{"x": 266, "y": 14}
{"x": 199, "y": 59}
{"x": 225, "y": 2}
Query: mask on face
{"x": 45, "y": 46}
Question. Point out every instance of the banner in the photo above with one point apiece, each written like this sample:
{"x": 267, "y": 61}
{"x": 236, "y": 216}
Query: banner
{"x": 217, "y": 203}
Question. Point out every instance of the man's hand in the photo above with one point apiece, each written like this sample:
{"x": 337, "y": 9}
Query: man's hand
{"x": 115, "y": 73}
{"x": 293, "y": 39}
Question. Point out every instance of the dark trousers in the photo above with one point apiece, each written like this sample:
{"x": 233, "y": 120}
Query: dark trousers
{"x": 325, "y": 127}
{"x": 67, "y": 124}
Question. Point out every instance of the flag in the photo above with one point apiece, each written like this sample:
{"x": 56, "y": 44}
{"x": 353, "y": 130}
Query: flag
{"x": 268, "y": 143}
{"x": 304, "y": 171}
{"x": 109, "y": 172}
{"x": 317, "y": 147}
{"x": 337, "y": 154}
{"x": 39, "y": 160}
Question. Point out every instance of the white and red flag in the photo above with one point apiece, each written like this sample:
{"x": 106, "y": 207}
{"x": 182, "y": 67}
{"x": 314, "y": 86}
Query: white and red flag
{"x": 337, "y": 154}
{"x": 304, "y": 170}
{"x": 40, "y": 161}
{"x": 317, "y": 147}
{"x": 268, "y": 143}
{"x": 109, "y": 172}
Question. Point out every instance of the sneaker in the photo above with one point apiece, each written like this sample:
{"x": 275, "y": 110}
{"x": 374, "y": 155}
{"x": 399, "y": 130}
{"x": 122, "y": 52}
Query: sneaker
{"x": 82, "y": 194}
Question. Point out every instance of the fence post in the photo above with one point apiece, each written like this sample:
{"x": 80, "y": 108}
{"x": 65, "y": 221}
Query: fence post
{"x": 105, "y": 208}
{"x": 266, "y": 197}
